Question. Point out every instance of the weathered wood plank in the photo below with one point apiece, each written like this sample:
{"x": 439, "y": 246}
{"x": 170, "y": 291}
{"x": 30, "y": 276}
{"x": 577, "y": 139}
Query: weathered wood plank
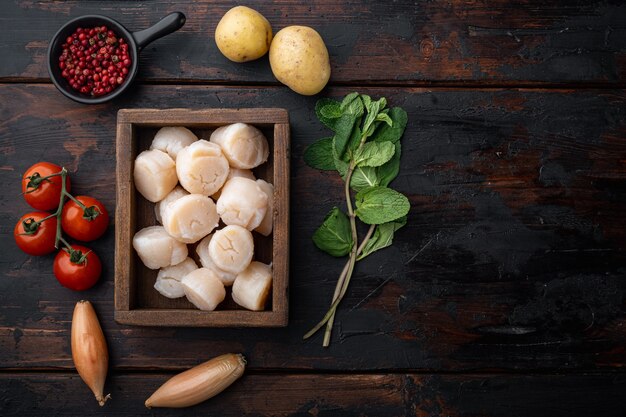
{"x": 497, "y": 41}
{"x": 383, "y": 395}
{"x": 513, "y": 257}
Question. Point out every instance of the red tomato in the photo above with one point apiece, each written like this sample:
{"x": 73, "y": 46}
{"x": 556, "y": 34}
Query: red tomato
{"x": 78, "y": 269}
{"x": 43, "y": 194}
{"x": 85, "y": 225}
{"x": 34, "y": 239}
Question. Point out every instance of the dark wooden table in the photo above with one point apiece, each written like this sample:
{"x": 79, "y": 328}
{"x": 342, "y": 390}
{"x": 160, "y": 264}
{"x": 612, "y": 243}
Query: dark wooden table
{"x": 504, "y": 294}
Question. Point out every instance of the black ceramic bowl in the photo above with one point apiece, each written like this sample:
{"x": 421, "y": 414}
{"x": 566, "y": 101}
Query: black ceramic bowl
{"x": 136, "y": 42}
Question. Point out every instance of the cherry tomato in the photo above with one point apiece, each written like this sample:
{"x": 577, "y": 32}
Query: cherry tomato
{"x": 77, "y": 269}
{"x": 36, "y": 239}
{"x": 85, "y": 225}
{"x": 40, "y": 193}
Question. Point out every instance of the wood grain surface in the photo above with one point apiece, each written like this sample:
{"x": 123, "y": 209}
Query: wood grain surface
{"x": 398, "y": 42}
{"x": 503, "y": 296}
{"x": 513, "y": 257}
{"x": 472, "y": 395}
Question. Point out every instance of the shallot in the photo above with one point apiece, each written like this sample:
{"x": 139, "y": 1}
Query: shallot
{"x": 89, "y": 349}
{"x": 199, "y": 383}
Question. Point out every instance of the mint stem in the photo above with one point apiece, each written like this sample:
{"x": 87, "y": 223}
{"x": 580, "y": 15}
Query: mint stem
{"x": 341, "y": 288}
{"x": 344, "y": 278}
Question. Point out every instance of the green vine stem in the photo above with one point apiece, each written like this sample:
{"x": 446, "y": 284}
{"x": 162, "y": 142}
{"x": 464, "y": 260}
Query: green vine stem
{"x": 36, "y": 179}
{"x": 59, "y": 210}
{"x": 64, "y": 192}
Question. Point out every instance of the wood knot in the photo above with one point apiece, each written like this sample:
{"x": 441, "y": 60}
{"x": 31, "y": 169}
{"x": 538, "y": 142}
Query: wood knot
{"x": 427, "y": 47}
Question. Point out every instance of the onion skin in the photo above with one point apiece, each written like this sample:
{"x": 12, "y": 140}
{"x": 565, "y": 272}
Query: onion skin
{"x": 199, "y": 383}
{"x": 89, "y": 349}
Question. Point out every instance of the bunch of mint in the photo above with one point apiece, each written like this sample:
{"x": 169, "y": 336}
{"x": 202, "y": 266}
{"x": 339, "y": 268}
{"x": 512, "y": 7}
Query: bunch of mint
{"x": 365, "y": 151}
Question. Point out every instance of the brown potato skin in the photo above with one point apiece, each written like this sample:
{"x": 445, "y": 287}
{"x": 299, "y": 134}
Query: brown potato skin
{"x": 299, "y": 59}
{"x": 243, "y": 34}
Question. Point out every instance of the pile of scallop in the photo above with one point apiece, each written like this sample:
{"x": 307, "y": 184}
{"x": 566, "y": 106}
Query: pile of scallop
{"x": 194, "y": 184}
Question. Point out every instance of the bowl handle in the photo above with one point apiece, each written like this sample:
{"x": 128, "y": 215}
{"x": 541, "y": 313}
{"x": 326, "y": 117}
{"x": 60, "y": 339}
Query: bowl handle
{"x": 170, "y": 23}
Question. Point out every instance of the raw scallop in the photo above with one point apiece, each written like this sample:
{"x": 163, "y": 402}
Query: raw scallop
{"x": 172, "y": 139}
{"x": 235, "y": 173}
{"x": 154, "y": 174}
{"x": 203, "y": 289}
{"x": 190, "y": 218}
{"x": 265, "y": 228}
{"x": 168, "y": 278}
{"x": 231, "y": 249}
{"x": 252, "y": 286}
{"x": 242, "y": 203}
{"x": 202, "y": 250}
{"x": 202, "y": 168}
{"x": 244, "y": 145}
{"x": 157, "y": 249}
{"x": 175, "y": 194}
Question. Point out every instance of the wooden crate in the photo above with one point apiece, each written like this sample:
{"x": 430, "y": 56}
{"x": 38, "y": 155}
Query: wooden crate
{"x": 136, "y": 301}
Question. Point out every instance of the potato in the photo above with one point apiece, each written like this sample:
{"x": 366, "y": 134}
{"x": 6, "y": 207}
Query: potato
{"x": 299, "y": 59}
{"x": 243, "y": 34}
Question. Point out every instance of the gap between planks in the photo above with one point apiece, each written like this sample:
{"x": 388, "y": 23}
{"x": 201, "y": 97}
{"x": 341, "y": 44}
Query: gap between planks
{"x": 301, "y": 371}
{"x": 439, "y": 84}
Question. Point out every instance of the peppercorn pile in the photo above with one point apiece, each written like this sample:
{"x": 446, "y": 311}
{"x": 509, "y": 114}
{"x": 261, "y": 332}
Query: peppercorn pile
{"x": 94, "y": 61}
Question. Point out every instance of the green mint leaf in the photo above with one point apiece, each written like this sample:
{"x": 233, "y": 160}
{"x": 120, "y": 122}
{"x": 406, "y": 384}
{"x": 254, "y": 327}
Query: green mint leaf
{"x": 389, "y": 171}
{"x": 367, "y": 101}
{"x": 375, "y": 108}
{"x": 328, "y": 111}
{"x": 347, "y": 100}
{"x": 377, "y": 205}
{"x": 342, "y": 167}
{"x": 334, "y": 236}
{"x": 371, "y": 116}
{"x": 384, "y": 117}
{"x": 393, "y": 132}
{"x": 374, "y": 154}
{"x": 382, "y": 237}
{"x": 352, "y": 104}
{"x": 319, "y": 155}
{"x": 331, "y": 111}
{"x": 343, "y": 132}
{"x": 353, "y": 142}
{"x": 364, "y": 177}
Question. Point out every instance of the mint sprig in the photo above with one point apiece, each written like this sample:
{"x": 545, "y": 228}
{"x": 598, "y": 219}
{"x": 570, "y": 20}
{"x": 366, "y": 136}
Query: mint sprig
{"x": 365, "y": 150}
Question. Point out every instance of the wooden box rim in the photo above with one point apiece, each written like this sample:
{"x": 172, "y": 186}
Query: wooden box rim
{"x": 127, "y": 119}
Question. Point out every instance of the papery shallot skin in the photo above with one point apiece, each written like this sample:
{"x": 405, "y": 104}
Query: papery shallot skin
{"x": 199, "y": 383}
{"x": 89, "y": 349}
